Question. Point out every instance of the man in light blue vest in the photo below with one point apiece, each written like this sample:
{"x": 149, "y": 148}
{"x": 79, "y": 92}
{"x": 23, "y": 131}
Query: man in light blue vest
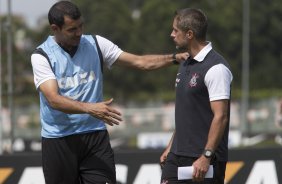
{"x": 68, "y": 75}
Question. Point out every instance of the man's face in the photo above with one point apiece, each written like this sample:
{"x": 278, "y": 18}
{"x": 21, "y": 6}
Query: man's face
{"x": 70, "y": 33}
{"x": 179, "y": 37}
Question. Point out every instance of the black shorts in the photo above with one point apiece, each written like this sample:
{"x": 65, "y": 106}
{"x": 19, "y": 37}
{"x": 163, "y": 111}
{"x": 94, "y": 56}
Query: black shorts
{"x": 170, "y": 168}
{"x": 79, "y": 159}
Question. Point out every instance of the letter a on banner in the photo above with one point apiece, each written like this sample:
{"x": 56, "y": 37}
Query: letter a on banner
{"x": 32, "y": 175}
{"x": 263, "y": 172}
{"x": 149, "y": 174}
{"x": 121, "y": 174}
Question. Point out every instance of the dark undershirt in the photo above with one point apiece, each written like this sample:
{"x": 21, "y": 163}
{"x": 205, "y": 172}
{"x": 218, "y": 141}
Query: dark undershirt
{"x": 71, "y": 52}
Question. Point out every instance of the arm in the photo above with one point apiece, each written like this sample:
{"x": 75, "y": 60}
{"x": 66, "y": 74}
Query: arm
{"x": 100, "y": 110}
{"x": 219, "y": 122}
{"x": 167, "y": 150}
{"x": 114, "y": 55}
{"x": 218, "y": 125}
{"x": 46, "y": 82}
{"x": 149, "y": 62}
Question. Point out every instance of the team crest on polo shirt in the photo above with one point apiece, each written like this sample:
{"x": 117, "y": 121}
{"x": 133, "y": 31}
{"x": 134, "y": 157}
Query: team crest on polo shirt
{"x": 193, "y": 81}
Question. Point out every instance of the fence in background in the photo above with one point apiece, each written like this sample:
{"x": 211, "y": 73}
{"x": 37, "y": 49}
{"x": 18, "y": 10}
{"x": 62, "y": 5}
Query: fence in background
{"x": 149, "y": 127}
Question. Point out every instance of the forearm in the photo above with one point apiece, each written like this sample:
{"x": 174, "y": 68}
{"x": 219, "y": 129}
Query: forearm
{"x": 68, "y": 105}
{"x": 61, "y": 103}
{"x": 152, "y": 62}
{"x": 100, "y": 110}
{"x": 216, "y": 132}
{"x": 166, "y": 151}
{"x": 171, "y": 140}
{"x": 149, "y": 62}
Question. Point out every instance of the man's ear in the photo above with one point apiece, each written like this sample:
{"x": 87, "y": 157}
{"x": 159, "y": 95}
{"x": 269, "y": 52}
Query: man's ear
{"x": 54, "y": 28}
{"x": 189, "y": 34}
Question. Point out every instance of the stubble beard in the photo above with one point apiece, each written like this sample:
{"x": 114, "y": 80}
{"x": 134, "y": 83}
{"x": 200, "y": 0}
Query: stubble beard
{"x": 181, "y": 49}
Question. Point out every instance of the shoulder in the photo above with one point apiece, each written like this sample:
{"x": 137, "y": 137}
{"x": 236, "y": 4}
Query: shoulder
{"x": 217, "y": 58}
{"x": 102, "y": 40}
{"x": 40, "y": 51}
{"x": 219, "y": 72}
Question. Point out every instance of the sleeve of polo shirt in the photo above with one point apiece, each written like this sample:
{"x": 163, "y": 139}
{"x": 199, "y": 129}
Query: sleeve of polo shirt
{"x": 218, "y": 81}
{"x": 41, "y": 69}
{"x": 110, "y": 51}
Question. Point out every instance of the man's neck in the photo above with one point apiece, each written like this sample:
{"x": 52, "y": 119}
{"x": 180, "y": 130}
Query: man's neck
{"x": 71, "y": 50}
{"x": 196, "y": 47}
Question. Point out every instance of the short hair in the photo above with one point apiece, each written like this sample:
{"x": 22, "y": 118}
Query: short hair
{"x": 60, "y": 9}
{"x": 192, "y": 19}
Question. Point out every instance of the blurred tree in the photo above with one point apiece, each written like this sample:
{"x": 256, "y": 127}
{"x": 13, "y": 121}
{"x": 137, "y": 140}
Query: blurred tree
{"x": 265, "y": 45}
{"x": 144, "y": 27}
{"x": 135, "y": 34}
{"x": 225, "y": 32}
{"x": 108, "y": 18}
{"x": 22, "y": 78}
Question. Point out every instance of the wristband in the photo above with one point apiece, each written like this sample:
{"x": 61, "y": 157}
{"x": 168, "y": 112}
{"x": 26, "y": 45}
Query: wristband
{"x": 174, "y": 61}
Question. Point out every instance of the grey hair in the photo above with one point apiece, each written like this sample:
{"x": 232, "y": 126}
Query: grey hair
{"x": 192, "y": 19}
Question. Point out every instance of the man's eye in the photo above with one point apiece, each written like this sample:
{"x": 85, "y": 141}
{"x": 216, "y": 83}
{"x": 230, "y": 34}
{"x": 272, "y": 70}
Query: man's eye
{"x": 72, "y": 30}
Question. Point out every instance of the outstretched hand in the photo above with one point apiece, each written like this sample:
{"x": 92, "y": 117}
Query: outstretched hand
{"x": 103, "y": 111}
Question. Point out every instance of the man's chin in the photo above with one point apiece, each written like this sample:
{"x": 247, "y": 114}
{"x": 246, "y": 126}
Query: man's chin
{"x": 180, "y": 49}
{"x": 76, "y": 42}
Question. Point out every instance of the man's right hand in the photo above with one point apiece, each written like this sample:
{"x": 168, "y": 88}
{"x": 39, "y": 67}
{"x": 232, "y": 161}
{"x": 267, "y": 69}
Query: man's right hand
{"x": 103, "y": 111}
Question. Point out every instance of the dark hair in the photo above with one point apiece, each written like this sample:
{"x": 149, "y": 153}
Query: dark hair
{"x": 192, "y": 19}
{"x": 60, "y": 9}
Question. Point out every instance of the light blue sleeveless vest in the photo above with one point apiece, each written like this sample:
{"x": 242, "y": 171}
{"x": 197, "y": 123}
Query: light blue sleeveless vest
{"x": 79, "y": 78}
